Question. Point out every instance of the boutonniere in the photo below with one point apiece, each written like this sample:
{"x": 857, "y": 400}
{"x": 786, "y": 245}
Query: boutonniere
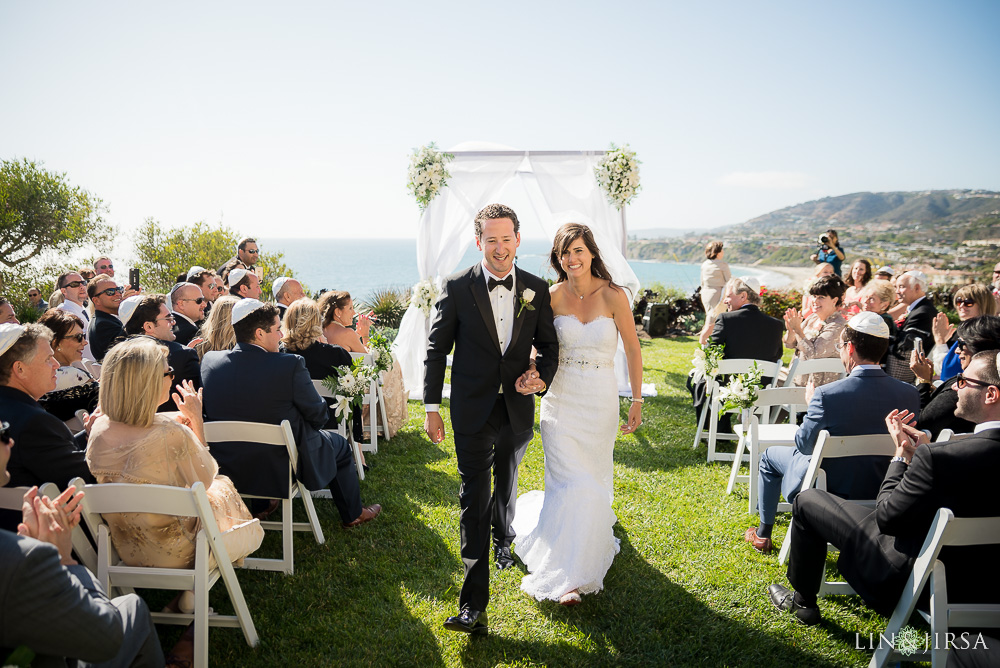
{"x": 525, "y": 298}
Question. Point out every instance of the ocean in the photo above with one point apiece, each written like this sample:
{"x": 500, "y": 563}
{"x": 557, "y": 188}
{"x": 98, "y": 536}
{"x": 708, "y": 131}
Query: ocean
{"x": 363, "y": 265}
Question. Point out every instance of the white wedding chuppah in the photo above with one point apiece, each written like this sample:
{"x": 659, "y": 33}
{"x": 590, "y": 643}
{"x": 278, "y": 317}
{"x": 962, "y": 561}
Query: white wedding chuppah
{"x": 561, "y": 188}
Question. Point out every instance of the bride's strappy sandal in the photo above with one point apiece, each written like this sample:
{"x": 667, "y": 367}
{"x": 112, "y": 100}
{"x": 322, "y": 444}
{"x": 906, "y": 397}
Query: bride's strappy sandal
{"x": 570, "y": 598}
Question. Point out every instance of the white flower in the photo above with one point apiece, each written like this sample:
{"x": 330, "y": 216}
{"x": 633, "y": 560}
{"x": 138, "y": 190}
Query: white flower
{"x": 348, "y": 383}
{"x": 343, "y": 406}
{"x": 528, "y": 294}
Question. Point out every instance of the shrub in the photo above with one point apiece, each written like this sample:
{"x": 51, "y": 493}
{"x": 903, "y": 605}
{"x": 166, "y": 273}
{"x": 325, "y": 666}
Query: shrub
{"x": 775, "y": 302}
{"x": 388, "y": 304}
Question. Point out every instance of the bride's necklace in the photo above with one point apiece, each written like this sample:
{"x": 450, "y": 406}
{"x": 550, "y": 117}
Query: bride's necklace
{"x": 573, "y": 290}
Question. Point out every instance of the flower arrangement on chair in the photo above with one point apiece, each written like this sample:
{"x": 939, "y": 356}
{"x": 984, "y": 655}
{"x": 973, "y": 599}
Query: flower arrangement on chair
{"x": 705, "y": 362}
{"x": 741, "y": 392}
{"x": 349, "y": 387}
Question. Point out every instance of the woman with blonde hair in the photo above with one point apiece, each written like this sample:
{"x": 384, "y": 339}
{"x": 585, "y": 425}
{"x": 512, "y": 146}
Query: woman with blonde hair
{"x": 715, "y": 273}
{"x": 217, "y": 332}
{"x": 971, "y": 301}
{"x": 131, "y": 442}
{"x": 304, "y": 337}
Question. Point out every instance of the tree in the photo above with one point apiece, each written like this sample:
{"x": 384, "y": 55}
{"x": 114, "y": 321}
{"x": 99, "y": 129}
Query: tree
{"x": 162, "y": 254}
{"x": 40, "y": 210}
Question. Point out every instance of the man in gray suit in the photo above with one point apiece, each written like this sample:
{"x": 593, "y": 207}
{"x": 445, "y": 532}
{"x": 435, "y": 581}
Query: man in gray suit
{"x": 853, "y": 406}
{"x": 54, "y": 606}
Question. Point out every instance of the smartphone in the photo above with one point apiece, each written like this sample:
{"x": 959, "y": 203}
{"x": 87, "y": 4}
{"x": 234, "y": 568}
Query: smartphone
{"x": 133, "y": 278}
{"x": 918, "y": 345}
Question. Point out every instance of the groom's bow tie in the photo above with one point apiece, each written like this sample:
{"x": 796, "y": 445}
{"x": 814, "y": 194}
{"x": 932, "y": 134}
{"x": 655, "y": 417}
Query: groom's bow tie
{"x": 507, "y": 282}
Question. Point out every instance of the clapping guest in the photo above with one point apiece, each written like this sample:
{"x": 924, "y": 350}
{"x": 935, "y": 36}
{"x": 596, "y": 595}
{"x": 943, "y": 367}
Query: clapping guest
{"x": 911, "y": 288}
{"x": 75, "y": 388}
{"x": 338, "y": 312}
{"x": 217, "y": 331}
{"x": 971, "y": 301}
{"x": 822, "y": 269}
{"x": 715, "y": 273}
{"x": 817, "y": 336}
{"x": 861, "y": 274}
{"x": 876, "y": 298}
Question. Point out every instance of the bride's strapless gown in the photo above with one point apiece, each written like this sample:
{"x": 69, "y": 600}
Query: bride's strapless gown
{"x": 564, "y": 534}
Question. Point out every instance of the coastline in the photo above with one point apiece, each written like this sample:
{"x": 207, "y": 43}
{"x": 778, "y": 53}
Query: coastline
{"x": 797, "y": 276}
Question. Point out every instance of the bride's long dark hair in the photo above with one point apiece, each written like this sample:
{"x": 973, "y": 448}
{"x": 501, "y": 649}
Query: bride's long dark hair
{"x": 565, "y": 236}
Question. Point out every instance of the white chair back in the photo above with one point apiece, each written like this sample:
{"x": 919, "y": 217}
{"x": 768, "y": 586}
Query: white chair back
{"x": 949, "y": 435}
{"x": 713, "y": 402}
{"x": 344, "y": 430}
{"x": 802, "y": 367}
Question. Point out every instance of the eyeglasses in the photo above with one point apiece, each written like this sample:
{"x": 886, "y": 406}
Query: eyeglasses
{"x": 199, "y": 300}
{"x": 961, "y": 345}
{"x": 105, "y": 266}
{"x": 967, "y": 303}
{"x": 961, "y": 381}
{"x": 996, "y": 271}
{"x": 79, "y": 338}
{"x": 110, "y": 292}
{"x": 32, "y": 294}
{"x": 253, "y": 252}
{"x": 169, "y": 372}
{"x": 72, "y": 284}
{"x": 840, "y": 346}
{"x": 168, "y": 318}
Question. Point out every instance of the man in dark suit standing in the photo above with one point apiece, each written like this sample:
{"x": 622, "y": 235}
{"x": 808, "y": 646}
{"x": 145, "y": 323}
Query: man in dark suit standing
{"x": 492, "y": 314}
{"x": 281, "y": 389}
{"x": 911, "y": 288}
{"x": 105, "y": 329}
{"x": 878, "y": 547}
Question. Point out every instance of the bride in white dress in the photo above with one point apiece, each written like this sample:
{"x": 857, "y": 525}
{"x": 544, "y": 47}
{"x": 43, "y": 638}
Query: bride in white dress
{"x": 564, "y": 534}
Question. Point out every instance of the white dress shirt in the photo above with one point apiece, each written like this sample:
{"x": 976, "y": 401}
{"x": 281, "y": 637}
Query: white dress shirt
{"x": 502, "y": 300}
{"x": 81, "y": 313}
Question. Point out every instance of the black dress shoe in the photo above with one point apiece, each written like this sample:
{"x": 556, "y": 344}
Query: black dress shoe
{"x": 783, "y": 599}
{"x": 504, "y": 558}
{"x": 468, "y": 621}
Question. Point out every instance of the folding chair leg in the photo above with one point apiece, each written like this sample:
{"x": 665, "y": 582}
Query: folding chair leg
{"x": 311, "y": 514}
{"x": 381, "y": 409}
{"x": 701, "y": 425}
{"x": 737, "y": 462}
{"x": 287, "y": 535}
{"x": 356, "y": 448}
{"x": 713, "y": 431}
{"x": 201, "y": 609}
{"x": 786, "y": 545}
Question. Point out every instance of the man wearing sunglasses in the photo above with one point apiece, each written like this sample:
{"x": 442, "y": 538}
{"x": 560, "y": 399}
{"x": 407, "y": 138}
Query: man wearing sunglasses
{"x": 105, "y": 328}
{"x": 187, "y": 303}
{"x": 74, "y": 292}
{"x": 245, "y": 258}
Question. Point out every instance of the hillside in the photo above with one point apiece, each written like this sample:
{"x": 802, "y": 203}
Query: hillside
{"x": 954, "y": 233}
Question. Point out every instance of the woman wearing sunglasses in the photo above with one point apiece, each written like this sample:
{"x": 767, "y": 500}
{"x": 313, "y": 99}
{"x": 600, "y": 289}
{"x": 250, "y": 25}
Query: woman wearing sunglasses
{"x": 938, "y": 405}
{"x": 75, "y": 389}
{"x": 971, "y": 301}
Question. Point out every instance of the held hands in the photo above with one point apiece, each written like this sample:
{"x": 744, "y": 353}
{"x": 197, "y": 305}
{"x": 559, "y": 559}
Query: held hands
{"x": 529, "y": 382}
{"x": 434, "y": 427}
{"x": 904, "y": 434}
{"x": 922, "y": 367}
{"x": 942, "y": 329}
{"x": 634, "y": 418}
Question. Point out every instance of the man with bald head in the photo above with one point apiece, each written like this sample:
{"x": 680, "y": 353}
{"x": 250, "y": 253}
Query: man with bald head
{"x": 188, "y": 305}
{"x": 286, "y": 291}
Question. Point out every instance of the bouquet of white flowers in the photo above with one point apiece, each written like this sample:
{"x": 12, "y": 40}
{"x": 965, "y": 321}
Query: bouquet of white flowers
{"x": 427, "y": 174}
{"x": 381, "y": 353}
{"x": 706, "y": 361}
{"x": 349, "y": 386}
{"x": 618, "y": 174}
{"x": 741, "y": 393}
{"x": 424, "y": 295}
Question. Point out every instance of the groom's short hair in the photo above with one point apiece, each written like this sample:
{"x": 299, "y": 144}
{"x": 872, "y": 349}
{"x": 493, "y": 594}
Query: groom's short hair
{"x": 493, "y": 212}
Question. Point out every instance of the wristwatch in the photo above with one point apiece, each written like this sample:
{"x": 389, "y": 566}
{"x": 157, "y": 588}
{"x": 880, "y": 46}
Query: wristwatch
{"x": 897, "y": 458}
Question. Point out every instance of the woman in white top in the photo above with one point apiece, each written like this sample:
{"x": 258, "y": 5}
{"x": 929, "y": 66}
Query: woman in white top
{"x": 715, "y": 274}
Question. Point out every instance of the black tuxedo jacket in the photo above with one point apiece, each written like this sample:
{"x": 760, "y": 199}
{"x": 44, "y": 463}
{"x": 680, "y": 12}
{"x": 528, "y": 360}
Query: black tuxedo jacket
{"x": 960, "y": 476}
{"x": 465, "y": 320}
{"x": 917, "y": 325}
{"x": 747, "y": 333}
{"x": 184, "y": 330}
{"x": 104, "y": 331}
{"x": 250, "y": 384}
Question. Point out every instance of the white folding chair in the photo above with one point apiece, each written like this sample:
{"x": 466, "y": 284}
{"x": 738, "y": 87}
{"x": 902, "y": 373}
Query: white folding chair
{"x": 376, "y": 407}
{"x": 949, "y": 435}
{"x": 946, "y": 530}
{"x": 759, "y": 437}
{"x": 833, "y": 447}
{"x": 11, "y": 498}
{"x": 344, "y": 430}
{"x": 219, "y": 433}
{"x": 800, "y": 367}
{"x": 110, "y": 498}
{"x": 713, "y": 402}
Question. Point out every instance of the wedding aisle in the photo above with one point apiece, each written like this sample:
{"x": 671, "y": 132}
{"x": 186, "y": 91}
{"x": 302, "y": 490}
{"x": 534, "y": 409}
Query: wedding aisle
{"x": 684, "y": 590}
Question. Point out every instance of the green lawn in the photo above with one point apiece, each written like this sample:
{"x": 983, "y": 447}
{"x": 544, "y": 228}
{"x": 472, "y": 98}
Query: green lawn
{"x": 685, "y": 589}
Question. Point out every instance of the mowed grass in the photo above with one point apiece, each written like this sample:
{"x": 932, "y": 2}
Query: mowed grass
{"x": 685, "y": 589}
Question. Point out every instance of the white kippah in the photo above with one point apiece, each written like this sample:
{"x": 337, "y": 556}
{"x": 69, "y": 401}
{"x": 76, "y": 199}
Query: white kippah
{"x": 235, "y": 276}
{"x": 128, "y": 307}
{"x": 751, "y": 283}
{"x": 885, "y": 270}
{"x": 195, "y": 270}
{"x": 243, "y": 308}
{"x": 9, "y": 334}
{"x": 869, "y": 323}
{"x": 917, "y": 275}
{"x": 278, "y": 284}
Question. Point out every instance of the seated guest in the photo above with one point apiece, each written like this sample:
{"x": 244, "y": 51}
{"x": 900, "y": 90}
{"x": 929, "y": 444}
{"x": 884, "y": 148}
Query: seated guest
{"x": 853, "y": 406}
{"x": 54, "y": 606}
{"x": 822, "y": 269}
{"x": 46, "y": 449}
{"x": 147, "y": 315}
{"x": 911, "y": 288}
{"x": 338, "y": 312}
{"x": 105, "y": 328}
{"x": 971, "y": 301}
{"x": 861, "y": 274}
{"x": 937, "y": 405}
{"x": 246, "y": 257}
{"x": 818, "y": 335}
{"x": 286, "y": 291}
{"x": 133, "y": 443}
{"x": 254, "y": 382}
{"x": 75, "y": 388}
{"x": 7, "y": 315}
{"x": 187, "y": 303}
{"x": 217, "y": 332}
{"x": 878, "y": 546}
{"x": 885, "y": 273}
{"x": 243, "y": 284}
{"x": 37, "y": 303}
{"x": 876, "y": 298}
{"x": 73, "y": 290}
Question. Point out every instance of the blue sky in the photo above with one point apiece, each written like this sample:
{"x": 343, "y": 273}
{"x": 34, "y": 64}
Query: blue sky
{"x": 297, "y": 119}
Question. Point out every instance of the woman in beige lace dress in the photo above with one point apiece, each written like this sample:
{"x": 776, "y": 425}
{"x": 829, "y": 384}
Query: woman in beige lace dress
{"x": 133, "y": 443}
{"x": 816, "y": 336}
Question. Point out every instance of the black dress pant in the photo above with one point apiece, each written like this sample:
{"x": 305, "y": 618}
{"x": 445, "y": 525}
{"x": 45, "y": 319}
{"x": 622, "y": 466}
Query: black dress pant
{"x": 495, "y": 451}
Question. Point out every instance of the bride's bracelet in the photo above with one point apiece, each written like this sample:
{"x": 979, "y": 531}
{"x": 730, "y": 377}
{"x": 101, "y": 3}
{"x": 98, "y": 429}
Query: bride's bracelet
{"x": 638, "y": 401}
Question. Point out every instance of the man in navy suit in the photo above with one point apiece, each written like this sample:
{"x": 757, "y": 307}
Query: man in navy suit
{"x": 853, "y": 406}
{"x": 254, "y": 382}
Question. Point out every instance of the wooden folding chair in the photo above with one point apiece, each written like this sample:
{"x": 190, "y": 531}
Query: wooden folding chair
{"x": 344, "y": 430}
{"x": 109, "y": 498}
{"x": 219, "y": 435}
{"x": 946, "y": 530}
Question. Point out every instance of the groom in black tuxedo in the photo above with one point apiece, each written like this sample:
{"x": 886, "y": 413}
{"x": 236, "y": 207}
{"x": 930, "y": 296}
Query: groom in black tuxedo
{"x": 492, "y": 314}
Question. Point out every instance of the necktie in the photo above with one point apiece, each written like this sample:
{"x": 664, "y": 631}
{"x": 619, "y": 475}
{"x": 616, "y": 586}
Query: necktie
{"x": 507, "y": 282}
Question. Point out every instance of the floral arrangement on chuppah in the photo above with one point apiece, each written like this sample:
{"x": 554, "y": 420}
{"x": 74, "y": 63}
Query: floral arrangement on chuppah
{"x": 741, "y": 392}
{"x": 705, "y": 362}
{"x": 618, "y": 174}
{"x": 428, "y": 173}
{"x": 349, "y": 387}
{"x": 424, "y": 295}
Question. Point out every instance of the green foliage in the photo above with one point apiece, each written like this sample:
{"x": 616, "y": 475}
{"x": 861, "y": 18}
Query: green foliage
{"x": 775, "y": 302}
{"x": 388, "y": 304}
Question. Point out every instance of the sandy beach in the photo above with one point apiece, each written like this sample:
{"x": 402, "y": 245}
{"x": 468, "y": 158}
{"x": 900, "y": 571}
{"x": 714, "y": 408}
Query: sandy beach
{"x": 796, "y": 275}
